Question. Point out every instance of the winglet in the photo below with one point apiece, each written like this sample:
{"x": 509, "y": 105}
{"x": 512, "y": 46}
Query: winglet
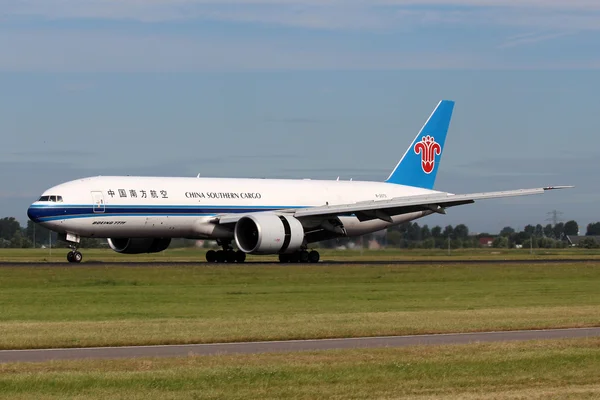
{"x": 420, "y": 163}
{"x": 558, "y": 187}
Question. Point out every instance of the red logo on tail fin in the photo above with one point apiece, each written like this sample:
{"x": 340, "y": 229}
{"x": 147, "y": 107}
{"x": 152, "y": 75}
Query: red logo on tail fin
{"x": 428, "y": 148}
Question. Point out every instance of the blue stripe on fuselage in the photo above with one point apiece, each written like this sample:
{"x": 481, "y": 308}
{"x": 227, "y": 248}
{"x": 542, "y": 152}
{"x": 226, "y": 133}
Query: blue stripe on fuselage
{"x": 43, "y": 213}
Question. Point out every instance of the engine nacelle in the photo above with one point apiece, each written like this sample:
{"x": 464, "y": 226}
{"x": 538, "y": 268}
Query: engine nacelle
{"x": 139, "y": 245}
{"x": 268, "y": 234}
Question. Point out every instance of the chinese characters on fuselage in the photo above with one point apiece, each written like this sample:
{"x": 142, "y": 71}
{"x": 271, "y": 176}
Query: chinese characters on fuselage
{"x": 133, "y": 193}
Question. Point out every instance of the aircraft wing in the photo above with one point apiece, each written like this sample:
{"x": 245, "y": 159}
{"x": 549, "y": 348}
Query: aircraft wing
{"x": 385, "y": 209}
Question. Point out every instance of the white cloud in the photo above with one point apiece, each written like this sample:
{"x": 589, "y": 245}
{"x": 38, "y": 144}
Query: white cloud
{"x": 531, "y": 38}
{"x": 540, "y": 4}
{"x": 322, "y": 14}
{"x": 563, "y": 4}
{"x": 101, "y": 52}
{"x": 52, "y": 51}
{"x": 78, "y": 48}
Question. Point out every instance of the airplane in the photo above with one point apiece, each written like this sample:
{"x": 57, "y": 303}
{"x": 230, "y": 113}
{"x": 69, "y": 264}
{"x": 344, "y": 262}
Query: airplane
{"x": 139, "y": 214}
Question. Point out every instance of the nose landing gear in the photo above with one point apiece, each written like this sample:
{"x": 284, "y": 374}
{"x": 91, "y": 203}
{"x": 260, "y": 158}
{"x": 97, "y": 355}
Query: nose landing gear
{"x": 74, "y": 256}
{"x": 72, "y": 240}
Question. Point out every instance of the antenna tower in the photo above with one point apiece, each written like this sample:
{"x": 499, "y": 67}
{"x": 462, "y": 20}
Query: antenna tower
{"x": 554, "y": 217}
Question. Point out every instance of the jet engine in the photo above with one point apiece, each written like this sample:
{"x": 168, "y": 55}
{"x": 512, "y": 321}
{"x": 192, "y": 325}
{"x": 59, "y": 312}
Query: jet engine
{"x": 268, "y": 234}
{"x": 139, "y": 245}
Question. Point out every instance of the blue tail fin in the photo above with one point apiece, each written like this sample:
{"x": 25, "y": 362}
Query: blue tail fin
{"x": 419, "y": 165}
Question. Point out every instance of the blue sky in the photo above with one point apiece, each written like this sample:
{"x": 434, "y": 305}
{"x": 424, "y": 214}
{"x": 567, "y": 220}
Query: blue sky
{"x": 304, "y": 88}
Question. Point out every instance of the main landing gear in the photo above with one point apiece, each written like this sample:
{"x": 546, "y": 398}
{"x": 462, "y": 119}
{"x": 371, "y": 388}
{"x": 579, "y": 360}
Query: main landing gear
{"x": 227, "y": 255}
{"x": 301, "y": 256}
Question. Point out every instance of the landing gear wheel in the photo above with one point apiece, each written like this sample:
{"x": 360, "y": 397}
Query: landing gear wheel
{"x": 314, "y": 256}
{"x": 284, "y": 258}
{"x": 230, "y": 256}
{"x": 303, "y": 256}
{"x": 240, "y": 256}
{"x": 227, "y": 255}
{"x": 211, "y": 256}
{"x": 294, "y": 257}
{"x": 74, "y": 257}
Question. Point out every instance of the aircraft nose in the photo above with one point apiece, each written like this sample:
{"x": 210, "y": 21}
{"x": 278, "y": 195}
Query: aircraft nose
{"x": 32, "y": 214}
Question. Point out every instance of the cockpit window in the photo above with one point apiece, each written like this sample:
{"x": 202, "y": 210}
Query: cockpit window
{"x": 55, "y": 199}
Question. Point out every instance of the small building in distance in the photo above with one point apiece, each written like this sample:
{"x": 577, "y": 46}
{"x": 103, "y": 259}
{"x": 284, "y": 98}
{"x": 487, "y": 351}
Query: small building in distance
{"x": 574, "y": 240}
{"x": 486, "y": 241}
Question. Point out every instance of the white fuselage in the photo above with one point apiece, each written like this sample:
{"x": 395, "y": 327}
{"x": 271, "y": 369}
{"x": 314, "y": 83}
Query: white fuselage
{"x": 121, "y": 207}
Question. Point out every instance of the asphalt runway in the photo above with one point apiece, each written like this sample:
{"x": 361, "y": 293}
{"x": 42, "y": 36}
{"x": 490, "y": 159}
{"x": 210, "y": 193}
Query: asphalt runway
{"x": 41, "y": 355}
{"x": 274, "y": 262}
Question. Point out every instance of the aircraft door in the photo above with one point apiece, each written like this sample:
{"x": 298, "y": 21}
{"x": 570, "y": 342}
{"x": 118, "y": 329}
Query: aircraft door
{"x": 99, "y": 205}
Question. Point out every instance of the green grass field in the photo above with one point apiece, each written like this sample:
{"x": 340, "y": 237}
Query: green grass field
{"x": 198, "y": 254}
{"x": 515, "y": 370}
{"x": 69, "y": 306}
{"x": 95, "y": 305}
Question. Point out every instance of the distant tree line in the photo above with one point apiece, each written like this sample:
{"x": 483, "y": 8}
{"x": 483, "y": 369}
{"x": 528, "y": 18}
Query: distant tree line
{"x": 13, "y": 235}
{"x": 409, "y": 235}
{"x": 413, "y": 235}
